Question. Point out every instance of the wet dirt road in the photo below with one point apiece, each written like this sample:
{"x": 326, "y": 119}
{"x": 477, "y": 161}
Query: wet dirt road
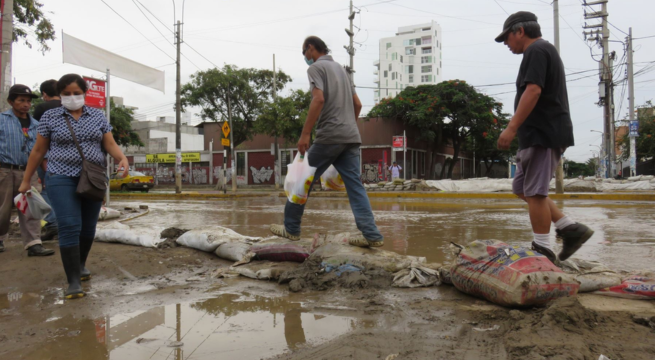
{"x": 247, "y": 319}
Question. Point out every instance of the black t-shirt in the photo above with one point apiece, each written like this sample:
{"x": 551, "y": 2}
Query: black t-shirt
{"x": 24, "y": 123}
{"x": 40, "y": 109}
{"x": 549, "y": 124}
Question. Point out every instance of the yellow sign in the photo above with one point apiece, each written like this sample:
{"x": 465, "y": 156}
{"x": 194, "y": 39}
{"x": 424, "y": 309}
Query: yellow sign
{"x": 226, "y": 129}
{"x": 170, "y": 158}
{"x": 225, "y": 142}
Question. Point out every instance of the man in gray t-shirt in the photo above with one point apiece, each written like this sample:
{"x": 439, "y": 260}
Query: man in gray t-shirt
{"x": 334, "y": 110}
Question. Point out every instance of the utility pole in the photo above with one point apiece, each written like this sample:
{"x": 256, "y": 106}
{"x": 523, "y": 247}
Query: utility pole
{"x": 350, "y": 49}
{"x": 178, "y": 115}
{"x": 276, "y": 167}
{"x": 233, "y": 163}
{"x": 7, "y": 30}
{"x": 601, "y": 35}
{"x": 631, "y": 115}
{"x": 559, "y": 173}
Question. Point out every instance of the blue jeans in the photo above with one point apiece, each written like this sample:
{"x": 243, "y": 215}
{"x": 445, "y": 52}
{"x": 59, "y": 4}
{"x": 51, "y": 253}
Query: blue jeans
{"x": 77, "y": 217}
{"x": 345, "y": 158}
{"x": 51, "y": 219}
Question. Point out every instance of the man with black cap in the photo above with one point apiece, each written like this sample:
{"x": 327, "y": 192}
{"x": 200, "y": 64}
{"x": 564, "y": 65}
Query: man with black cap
{"x": 17, "y": 137}
{"x": 542, "y": 122}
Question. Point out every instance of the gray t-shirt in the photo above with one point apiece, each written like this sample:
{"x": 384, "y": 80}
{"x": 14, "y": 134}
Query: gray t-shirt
{"x": 337, "y": 123}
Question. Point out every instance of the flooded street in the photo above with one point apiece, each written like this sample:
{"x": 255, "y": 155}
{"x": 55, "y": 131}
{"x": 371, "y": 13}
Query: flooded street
{"x": 143, "y": 305}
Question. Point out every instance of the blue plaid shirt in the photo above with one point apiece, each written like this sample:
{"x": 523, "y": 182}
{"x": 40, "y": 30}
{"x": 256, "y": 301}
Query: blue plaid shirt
{"x": 15, "y": 147}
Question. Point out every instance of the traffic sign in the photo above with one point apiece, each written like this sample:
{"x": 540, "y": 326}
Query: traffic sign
{"x": 226, "y": 129}
{"x": 225, "y": 142}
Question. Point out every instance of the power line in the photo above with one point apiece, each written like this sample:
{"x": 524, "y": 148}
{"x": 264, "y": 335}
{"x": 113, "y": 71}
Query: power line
{"x": 153, "y": 15}
{"x": 153, "y": 44}
{"x": 201, "y": 55}
{"x": 501, "y": 7}
{"x": 644, "y": 37}
{"x": 151, "y": 23}
{"x": 625, "y": 33}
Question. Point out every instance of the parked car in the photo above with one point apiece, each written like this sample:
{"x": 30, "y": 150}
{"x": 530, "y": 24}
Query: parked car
{"x": 134, "y": 181}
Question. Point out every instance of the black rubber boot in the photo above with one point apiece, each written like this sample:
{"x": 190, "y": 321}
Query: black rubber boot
{"x": 85, "y": 248}
{"x": 70, "y": 257}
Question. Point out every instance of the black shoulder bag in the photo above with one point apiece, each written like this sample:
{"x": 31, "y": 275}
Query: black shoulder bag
{"x": 93, "y": 181}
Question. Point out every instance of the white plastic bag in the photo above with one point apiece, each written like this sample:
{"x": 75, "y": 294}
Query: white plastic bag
{"x": 331, "y": 180}
{"x": 299, "y": 179}
{"x": 32, "y": 205}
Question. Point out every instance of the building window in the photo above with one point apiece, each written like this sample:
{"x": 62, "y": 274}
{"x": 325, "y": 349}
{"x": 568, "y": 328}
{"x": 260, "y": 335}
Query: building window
{"x": 389, "y": 67}
{"x": 393, "y": 76}
{"x": 409, "y": 69}
{"x": 411, "y": 79}
{"x": 426, "y": 40}
{"x": 426, "y": 29}
{"x": 426, "y": 78}
{"x": 427, "y": 50}
{"x": 388, "y": 45}
{"x": 387, "y": 84}
{"x": 417, "y": 41}
{"x": 401, "y": 77}
{"x": 401, "y": 59}
{"x": 426, "y": 59}
{"x": 440, "y": 64}
{"x": 241, "y": 164}
{"x": 410, "y": 51}
{"x": 426, "y": 68}
{"x": 437, "y": 43}
{"x": 437, "y": 71}
{"x": 435, "y": 33}
{"x": 386, "y": 73}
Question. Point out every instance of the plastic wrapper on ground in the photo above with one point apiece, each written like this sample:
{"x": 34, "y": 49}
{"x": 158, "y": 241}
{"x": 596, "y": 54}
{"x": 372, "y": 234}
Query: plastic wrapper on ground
{"x": 108, "y": 214}
{"x": 639, "y": 286}
{"x": 509, "y": 276}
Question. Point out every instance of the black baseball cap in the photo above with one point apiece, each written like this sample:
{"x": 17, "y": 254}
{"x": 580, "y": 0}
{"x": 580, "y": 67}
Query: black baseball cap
{"x": 20, "y": 89}
{"x": 518, "y": 17}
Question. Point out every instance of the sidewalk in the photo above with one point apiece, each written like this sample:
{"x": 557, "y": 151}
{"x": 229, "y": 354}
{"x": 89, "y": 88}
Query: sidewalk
{"x": 253, "y": 193}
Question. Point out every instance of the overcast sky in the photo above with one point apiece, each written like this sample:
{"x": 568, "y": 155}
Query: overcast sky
{"x": 248, "y": 32}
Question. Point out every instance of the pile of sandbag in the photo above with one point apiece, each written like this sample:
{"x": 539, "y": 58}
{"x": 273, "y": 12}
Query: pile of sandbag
{"x": 508, "y": 275}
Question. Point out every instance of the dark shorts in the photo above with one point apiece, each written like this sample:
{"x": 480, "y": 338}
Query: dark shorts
{"x": 535, "y": 167}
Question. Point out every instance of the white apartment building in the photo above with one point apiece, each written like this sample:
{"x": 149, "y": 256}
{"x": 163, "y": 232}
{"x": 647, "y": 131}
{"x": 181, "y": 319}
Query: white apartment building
{"x": 411, "y": 58}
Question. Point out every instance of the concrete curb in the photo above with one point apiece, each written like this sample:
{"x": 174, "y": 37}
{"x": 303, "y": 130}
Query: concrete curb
{"x": 390, "y": 195}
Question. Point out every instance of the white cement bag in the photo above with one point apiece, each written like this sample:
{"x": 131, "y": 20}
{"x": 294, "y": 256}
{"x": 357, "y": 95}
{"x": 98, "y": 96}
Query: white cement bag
{"x": 591, "y": 275}
{"x": 129, "y": 237}
{"x": 209, "y": 240}
{"x": 233, "y": 251}
{"x": 108, "y": 214}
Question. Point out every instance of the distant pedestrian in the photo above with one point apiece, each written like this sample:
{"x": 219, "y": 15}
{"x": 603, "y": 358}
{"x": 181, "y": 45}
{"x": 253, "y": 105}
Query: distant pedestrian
{"x": 395, "y": 171}
{"x": 77, "y": 216}
{"x": 334, "y": 110}
{"x": 543, "y": 123}
{"x": 17, "y": 138}
{"x": 51, "y": 101}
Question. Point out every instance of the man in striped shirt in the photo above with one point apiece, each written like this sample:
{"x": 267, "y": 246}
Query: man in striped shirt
{"x": 17, "y": 137}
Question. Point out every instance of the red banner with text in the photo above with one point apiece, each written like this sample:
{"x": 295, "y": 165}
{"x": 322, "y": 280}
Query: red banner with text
{"x": 96, "y": 95}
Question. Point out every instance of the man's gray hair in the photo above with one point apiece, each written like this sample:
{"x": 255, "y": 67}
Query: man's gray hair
{"x": 531, "y": 29}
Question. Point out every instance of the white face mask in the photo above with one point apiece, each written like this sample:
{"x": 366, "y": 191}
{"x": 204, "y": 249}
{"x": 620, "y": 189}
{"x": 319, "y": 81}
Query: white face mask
{"x": 73, "y": 102}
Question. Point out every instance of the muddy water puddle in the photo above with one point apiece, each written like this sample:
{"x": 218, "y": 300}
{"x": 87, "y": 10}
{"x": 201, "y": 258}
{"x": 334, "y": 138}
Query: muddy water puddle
{"x": 625, "y": 231}
{"x": 230, "y": 326}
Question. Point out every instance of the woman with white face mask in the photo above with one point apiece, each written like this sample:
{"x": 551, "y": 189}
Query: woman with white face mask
{"x": 77, "y": 216}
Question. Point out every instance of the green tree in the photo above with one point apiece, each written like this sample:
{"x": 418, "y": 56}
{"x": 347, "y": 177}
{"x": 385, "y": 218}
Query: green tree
{"x": 36, "y": 91}
{"x": 30, "y": 21}
{"x": 484, "y": 144}
{"x": 285, "y": 117}
{"x": 452, "y": 110}
{"x": 249, "y": 90}
{"x": 646, "y": 140}
{"x": 121, "y": 122}
{"x": 575, "y": 169}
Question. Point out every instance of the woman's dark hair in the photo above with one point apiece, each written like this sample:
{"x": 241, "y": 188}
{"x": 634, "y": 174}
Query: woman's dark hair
{"x": 531, "y": 29}
{"x": 69, "y": 79}
{"x": 317, "y": 43}
{"x": 49, "y": 87}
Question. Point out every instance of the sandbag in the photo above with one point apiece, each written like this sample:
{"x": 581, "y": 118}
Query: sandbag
{"x": 509, "y": 276}
{"x": 280, "y": 252}
{"x": 129, "y": 237}
{"x": 331, "y": 180}
{"x": 299, "y": 179}
{"x": 208, "y": 240}
{"x": 233, "y": 250}
{"x": 264, "y": 270}
{"x": 639, "y": 286}
{"x": 591, "y": 275}
{"x": 108, "y": 214}
{"x": 336, "y": 254}
{"x": 418, "y": 275}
